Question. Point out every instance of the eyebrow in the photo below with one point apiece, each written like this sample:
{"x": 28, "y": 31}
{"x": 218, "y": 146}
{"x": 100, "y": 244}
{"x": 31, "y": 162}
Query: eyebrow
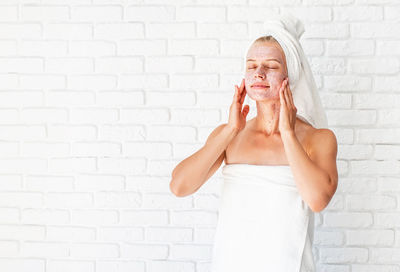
{"x": 265, "y": 59}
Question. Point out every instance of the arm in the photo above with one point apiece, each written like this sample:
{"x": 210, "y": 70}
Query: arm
{"x": 191, "y": 173}
{"x": 315, "y": 174}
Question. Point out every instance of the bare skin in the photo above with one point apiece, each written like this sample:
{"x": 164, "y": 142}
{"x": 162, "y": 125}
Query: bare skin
{"x": 260, "y": 140}
{"x": 274, "y": 137}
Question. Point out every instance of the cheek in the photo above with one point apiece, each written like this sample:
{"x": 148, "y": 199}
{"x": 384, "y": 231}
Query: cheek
{"x": 248, "y": 79}
{"x": 275, "y": 79}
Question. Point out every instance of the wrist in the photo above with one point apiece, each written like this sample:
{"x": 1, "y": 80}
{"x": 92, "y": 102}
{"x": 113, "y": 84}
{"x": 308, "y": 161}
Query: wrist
{"x": 288, "y": 133}
{"x": 231, "y": 129}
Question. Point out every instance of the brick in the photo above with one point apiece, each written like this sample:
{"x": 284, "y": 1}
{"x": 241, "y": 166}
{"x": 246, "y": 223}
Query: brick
{"x": 70, "y": 265}
{"x": 70, "y": 98}
{"x": 343, "y": 255}
{"x": 39, "y": 82}
{"x": 348, "y": 83}
{"x": 94, "y": 115}
{"x": 120, "y": 98}
{"x": 119, "y": 65}
{"x": 9, "y": 216}
{"x": 90, "y": 82}
{"x": 350, "y": 48}
{"x": 91, "y": 48}
{"x": 171, "y": 30}
{"x": 371, "y": 203}
{"x": 375, "y": 167}
{"x": 121, "y": 133}
{"x": 370, "y": 237}
{"x": 163, "y": 234}
{"x": 69, "y": 65}
{"x": 191, "y": 252}
{"x": 374, "y": 66}
{"x": 374, "y": 30}
{"x": 9, "y": 13}
{"x": 328, "y": 238}
{"x": 326, "y": 30}
{"x": 70, "y": 233}
{"x": 21, "y": 232}
{"x": 144, "y": 81}
{"x": 21, "y": 65}
{"x": 20, "y": 31}
{"x": 99, "y": 182}
{"x": 96, "y": 149}
{"x": 121, "y": 234}
{"x": 71, "y": 132}
{"x": 151, "y": 13}
{"x": 105, "y": 266}
{"x": 94, "y": 13}
{"x": 355, "y": 152}
{"x": 68, "y": 165}
{"x": 347, "y": 219}
{"x": 378, "y": 135}
{"x": 71, "y": 31}
{"x": 44, "y": 216}
{"x": 222, "y": 30}
{"x": 358, "y": 13}
{"x": 49, "y": 183}
{"x": 68, "y": 200}
{"x": 45, "y": 149}
{"x": 144, "y": 218}
{"x": 94, "y": 250}
{"x": 45, "y": 13}
{"x": 21, "y": 264}
{"x": 94, "y": 218}
{"x": 144, "y": 251}
{"x": 351, "y": 117}
{"x": 194, "y": 218}
{"x": 165, "y": 201}
{"x": 44, "y": 115}
{"x": 118, "y": 31}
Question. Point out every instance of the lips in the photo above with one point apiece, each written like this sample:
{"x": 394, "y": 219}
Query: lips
{"x": 259, "y": 86}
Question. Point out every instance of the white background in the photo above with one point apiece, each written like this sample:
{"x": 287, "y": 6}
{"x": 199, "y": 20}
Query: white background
{"x": 100, "y": 100}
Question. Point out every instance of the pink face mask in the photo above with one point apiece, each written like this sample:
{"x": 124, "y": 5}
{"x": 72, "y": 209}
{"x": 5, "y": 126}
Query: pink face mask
{"x": 273, "y": 79}
{"x": 269, "y": 73}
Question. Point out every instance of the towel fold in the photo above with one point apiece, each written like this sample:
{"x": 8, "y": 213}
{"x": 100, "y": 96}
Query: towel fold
{"x": 263, "y": 223}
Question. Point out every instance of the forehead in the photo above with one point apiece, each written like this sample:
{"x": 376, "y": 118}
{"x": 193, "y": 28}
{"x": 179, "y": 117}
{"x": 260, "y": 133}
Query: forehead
{"x": 264, "y": 51}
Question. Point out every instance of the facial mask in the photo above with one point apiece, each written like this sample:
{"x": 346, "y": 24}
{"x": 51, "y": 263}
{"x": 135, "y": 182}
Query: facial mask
{"x": 273, "y": 80}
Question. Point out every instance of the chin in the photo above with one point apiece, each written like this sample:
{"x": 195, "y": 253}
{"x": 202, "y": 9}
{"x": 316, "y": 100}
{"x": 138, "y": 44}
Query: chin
{"x": 264, "y": 98}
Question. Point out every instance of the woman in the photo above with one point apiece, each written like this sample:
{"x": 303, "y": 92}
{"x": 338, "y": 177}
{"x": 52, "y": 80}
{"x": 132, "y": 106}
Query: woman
{"x": 279, "y": 169}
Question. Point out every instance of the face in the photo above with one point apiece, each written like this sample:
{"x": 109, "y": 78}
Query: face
{"x": 265, "y": 66}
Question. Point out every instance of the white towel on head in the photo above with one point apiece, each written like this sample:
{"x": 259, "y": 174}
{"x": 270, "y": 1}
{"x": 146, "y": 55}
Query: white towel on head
{"x": 287, "y": 30}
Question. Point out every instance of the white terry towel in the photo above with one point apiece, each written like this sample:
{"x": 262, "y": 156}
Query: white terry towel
{"x": 263, "y": 223}
{"x": 287, "y": 30}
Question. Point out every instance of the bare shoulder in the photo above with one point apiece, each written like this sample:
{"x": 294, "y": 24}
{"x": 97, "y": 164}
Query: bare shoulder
{"x": 323, "y": 140}
{"x": 215, "y": 131}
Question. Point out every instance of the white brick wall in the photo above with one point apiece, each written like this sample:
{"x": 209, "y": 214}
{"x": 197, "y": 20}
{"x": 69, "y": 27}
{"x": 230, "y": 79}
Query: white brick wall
{"x": 100, "y": 99}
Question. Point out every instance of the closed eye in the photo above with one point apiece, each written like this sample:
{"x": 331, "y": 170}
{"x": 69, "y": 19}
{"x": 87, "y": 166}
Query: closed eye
{"x": 266, "y": 67}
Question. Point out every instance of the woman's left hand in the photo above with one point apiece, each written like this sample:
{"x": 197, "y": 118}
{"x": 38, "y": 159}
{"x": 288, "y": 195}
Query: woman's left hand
{"x": 287, "y": 114}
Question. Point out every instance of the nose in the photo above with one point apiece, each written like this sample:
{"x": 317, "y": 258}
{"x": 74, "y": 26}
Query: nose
{"x": 259, "y": 74}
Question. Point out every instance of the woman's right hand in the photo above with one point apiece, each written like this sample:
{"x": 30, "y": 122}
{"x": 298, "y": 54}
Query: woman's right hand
{"x": 237, "y": 116}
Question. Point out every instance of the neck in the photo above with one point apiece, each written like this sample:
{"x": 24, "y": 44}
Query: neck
{"x": 267, "y": 119}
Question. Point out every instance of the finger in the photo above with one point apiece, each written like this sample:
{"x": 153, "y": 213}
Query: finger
{"x": 286, "y": 95}
{"x": 291, "y": 98}
{"x": 243, "y": 95}
{"x": 246, "y": 110}
{"x": 242, "y": 86}
{"x": 281, "y": 96}
{"x": 236, "y": 93}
